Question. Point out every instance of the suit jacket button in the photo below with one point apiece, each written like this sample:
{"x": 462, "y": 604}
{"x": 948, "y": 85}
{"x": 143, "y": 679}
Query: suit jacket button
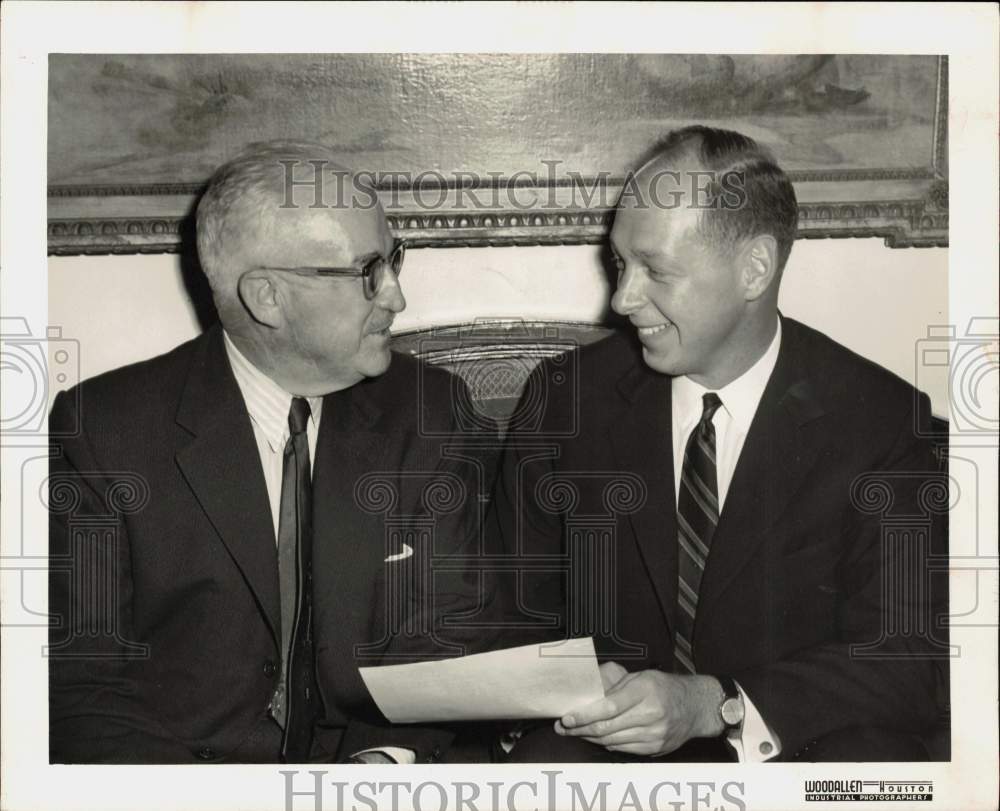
{"x": 206, "y": 753}
{"x": 270, "y": 668}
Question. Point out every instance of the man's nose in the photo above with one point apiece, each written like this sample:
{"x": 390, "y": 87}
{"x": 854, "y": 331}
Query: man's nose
{"x": 630, "y": 295}
{"x": 390, "y": 295}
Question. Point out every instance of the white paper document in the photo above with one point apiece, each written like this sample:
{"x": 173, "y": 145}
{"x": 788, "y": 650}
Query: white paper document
{"x": 532, "y": 681}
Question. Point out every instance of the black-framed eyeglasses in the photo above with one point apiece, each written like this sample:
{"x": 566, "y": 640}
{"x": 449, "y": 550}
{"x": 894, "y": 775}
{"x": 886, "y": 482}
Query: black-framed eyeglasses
{"x": 372, "y": 272}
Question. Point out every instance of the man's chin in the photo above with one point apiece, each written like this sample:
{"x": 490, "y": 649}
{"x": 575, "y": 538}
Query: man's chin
{"x": 377, "y": 364}
{"x": 661, "y": 362}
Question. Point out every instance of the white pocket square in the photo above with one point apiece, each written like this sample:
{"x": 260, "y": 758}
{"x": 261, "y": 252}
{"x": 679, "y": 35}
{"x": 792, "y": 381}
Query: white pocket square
{"x": 407, "y": 552}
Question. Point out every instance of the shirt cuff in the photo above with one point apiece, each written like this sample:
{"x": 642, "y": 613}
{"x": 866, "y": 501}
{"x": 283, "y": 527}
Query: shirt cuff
{"x": 398, "y": 754}
{"x": 754, "y": 741}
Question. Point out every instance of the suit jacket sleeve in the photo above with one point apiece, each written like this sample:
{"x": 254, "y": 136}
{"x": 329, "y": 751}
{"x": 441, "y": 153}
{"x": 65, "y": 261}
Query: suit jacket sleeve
{"x": 93, "y": 714}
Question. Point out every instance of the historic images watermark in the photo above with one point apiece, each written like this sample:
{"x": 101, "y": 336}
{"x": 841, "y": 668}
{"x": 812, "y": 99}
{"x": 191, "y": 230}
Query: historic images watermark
{"x": 312, "y": 791}
{"x": 910, "y": 508}
{"x": 961, "y": 362}
{"x": 31, "y": 365}
{"x": 329, "y": 186}
{"x": 966, "y": 364}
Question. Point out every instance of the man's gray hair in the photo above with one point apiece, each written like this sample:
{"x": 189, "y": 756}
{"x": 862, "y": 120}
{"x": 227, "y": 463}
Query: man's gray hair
{"x": 239, "y": 207}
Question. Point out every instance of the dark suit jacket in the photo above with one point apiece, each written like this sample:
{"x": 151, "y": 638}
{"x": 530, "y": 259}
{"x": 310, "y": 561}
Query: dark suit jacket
{"x": 809, "y": 558}
{"x": 164, "y": 568}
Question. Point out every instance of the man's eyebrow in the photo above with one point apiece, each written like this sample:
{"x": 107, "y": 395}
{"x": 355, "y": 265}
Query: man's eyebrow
{"x": 360, "y": 260}
{"x": 639, "y": 252}
{"x": 647, "y": 254}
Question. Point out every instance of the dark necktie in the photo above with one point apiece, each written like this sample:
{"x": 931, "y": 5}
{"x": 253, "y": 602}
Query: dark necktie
{"x": 296, "y": 703}
{"x": 697, "y": 516}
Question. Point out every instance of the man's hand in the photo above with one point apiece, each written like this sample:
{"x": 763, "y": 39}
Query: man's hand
{"x": 647, "y": 713}
{"x": 611, "y": 674}
{"x": 371, "y": 757}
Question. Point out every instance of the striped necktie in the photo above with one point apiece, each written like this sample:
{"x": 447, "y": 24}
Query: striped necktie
{"x": 697, "y": 516}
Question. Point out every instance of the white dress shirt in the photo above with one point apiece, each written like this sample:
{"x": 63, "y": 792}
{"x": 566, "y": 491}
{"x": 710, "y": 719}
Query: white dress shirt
{"x": 268, "y": 405}
{"x": 754, "y": 741}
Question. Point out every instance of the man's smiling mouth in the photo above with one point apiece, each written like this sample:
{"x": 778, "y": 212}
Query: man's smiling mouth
{"x": 646, "y": 331}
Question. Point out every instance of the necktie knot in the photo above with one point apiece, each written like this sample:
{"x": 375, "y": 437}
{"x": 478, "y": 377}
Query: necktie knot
{"x": 710, "y": 403}
{"x": 298, "y": 415}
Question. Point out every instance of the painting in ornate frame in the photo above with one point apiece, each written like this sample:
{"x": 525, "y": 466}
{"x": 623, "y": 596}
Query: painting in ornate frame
{"x": 490, "y": 149}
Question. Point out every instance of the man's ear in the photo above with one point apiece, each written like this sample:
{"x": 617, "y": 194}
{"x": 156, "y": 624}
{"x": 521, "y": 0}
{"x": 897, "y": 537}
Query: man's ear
{"x": 259, "y": 294}
{"x": 759, "y": 265}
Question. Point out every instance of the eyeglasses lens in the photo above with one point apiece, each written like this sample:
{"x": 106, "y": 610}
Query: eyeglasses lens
{"x": 374, "y": 271}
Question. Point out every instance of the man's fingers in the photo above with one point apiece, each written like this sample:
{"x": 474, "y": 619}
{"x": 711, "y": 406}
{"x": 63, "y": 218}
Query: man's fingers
{"x": 611, "y": 674}
{"x": 600, "y": 710}
{"x": 607, "y": 708}
{"x": 628, "y": 735}
{"x": 632, "y": 724}
{"x": 605, "y": 723}
{"x": 622, "y": 683}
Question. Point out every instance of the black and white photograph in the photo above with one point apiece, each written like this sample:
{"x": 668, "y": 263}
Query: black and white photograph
{"x": 617, "y": 387}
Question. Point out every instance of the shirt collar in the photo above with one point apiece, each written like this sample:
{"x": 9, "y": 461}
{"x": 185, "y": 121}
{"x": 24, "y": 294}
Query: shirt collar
{"x": 267, "y": 403}
{"x": 740, "y": 397}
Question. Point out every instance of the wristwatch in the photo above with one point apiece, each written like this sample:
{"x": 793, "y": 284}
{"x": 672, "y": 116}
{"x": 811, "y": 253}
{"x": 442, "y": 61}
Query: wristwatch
{"x": 731, "y": 707}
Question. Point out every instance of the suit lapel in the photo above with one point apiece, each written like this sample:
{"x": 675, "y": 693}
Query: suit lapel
{"x": 222, "y": 466}
{"x": 778, "y": 452}
{"x": 348, "y": 528}
{"x": 641, "y": 436}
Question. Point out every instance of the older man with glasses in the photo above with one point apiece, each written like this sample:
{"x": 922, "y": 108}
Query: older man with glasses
{"x": 255, "y": 569}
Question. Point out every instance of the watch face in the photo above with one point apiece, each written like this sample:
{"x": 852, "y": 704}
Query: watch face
{"x": 732, "y": 712}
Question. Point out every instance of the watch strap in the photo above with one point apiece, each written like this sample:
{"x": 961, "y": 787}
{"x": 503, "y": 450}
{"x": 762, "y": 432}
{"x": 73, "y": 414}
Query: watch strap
{"x": 729, "y": 688}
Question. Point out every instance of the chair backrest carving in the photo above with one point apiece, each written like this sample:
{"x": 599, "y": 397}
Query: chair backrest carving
{"x": 496, "y": 357}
